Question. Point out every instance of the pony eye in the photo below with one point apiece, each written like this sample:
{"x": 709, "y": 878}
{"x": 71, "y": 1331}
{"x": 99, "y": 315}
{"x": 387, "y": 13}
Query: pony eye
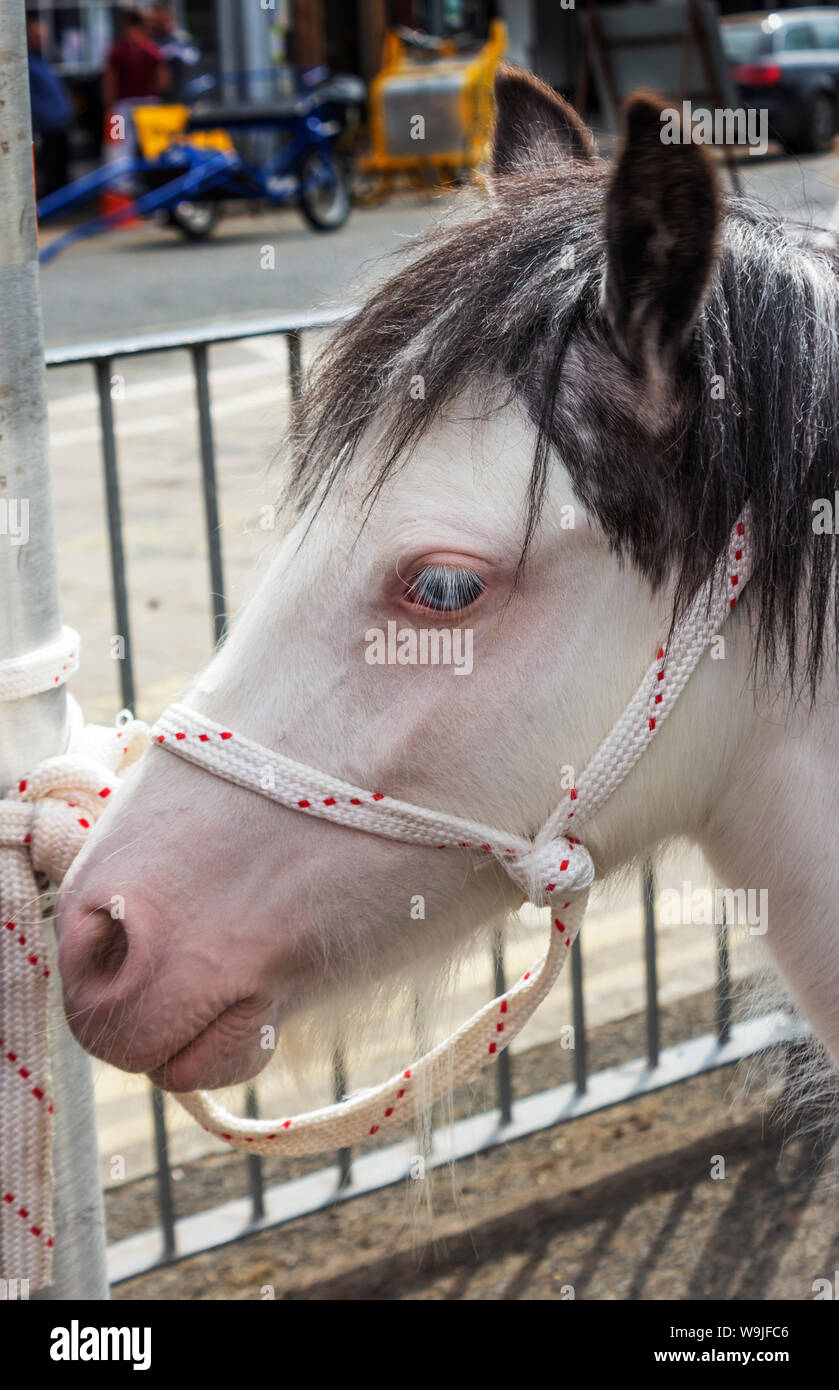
{"x": 444, "y": 588}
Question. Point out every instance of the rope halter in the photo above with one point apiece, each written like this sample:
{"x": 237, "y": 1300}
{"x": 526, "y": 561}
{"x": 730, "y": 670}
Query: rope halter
{"x": 553, "y": 869}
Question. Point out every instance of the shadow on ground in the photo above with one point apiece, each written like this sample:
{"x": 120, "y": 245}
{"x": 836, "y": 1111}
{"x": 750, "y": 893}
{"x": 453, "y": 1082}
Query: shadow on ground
{"x": 688, "y": 1194}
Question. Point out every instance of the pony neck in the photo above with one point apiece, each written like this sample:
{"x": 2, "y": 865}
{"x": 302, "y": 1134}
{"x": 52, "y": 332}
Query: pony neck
{"x": 774, "y": 826}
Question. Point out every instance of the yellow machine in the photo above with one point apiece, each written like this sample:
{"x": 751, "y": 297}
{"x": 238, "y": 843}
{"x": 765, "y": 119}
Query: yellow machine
{"x": 431, "y": 109}
{"x": 158, "y": 127}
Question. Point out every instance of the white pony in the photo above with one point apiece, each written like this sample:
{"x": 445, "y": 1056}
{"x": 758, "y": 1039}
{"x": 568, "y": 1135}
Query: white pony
{"x": 540, "y": 431}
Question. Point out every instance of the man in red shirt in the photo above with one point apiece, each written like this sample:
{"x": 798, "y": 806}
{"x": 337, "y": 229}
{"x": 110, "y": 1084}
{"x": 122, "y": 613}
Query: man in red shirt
{"x": 135, "y": 67}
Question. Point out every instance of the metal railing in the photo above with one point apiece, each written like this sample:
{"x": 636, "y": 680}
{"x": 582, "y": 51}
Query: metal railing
{"x": 351, "y": 1176}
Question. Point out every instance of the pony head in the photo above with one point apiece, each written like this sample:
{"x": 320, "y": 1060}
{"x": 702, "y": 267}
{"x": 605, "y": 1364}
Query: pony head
{"x": 508, "y": 473}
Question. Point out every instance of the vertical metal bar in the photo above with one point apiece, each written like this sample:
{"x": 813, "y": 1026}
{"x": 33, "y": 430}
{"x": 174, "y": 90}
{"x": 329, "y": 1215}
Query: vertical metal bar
{"x": 36, "y": 727}
{"x": 200, "y": 367}
{"x": 255, "y": 1182}
{"x": 339, "y": 1091}
{"x": 128, "y": 690}
{"x": 424, "y": 1126}
{"x": 295, "y": 363}
{"x": 102, "y": 369}
{"x": 723, "y": 988}
{"x": 578, "y": 1017}
{"x": 503, "y": 1067}
{"x": 651, "y": 965}
{"x": 165, "y": 1197}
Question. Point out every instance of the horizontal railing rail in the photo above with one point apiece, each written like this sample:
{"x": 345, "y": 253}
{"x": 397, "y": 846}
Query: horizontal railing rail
{"x": 207, "y": 335}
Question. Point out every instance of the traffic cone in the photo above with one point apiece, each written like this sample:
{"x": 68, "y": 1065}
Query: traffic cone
{"x": 115, "y": 146}
{"x": 113, "y": 201}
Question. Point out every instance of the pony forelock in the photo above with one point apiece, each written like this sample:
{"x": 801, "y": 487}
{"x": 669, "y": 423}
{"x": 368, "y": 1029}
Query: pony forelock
{"x": 507, "y": 297}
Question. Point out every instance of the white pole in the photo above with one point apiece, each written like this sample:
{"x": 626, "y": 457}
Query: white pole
{"x": 36, "y": 728}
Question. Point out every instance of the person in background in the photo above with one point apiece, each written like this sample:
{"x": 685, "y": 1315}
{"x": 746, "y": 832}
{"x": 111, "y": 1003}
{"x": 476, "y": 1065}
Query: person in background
{"x": 135, "y": 69}
{"x": 135, "y": 74}
{"x": 52, "y": 112}
{"x": 175, "y": 47}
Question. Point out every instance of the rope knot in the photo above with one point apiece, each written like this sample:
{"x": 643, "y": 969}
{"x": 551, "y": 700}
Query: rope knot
{"x": 62, "y": 816}
{"x": 52, "y": 809}
{"x": 58, "y": 830}
{"x": 559, "y": 868}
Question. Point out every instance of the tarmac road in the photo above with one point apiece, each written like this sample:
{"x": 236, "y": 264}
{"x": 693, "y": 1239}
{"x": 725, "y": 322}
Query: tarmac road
{"x": 148, "y": 277}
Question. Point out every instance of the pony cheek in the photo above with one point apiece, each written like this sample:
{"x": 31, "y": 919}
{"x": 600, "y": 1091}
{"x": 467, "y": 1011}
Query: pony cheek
{"x": 255, "y": 914}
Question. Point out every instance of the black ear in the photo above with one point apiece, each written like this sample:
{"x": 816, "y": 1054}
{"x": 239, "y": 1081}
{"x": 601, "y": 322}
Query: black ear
{"x": 663, "y": 218}
{"x": 534, "y": 128}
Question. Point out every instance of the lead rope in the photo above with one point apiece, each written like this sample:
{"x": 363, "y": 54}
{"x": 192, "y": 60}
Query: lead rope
{"x": 554, "y": 869}
{"x": 44, "y": 821}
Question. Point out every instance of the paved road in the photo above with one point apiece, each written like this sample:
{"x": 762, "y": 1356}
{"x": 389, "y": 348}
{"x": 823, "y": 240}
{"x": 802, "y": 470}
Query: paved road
{"x": 805, "y": 188}
{"x": 149, "y": 278}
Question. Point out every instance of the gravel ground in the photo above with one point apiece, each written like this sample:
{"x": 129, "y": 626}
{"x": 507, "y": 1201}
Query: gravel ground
{"x": 620, "y": 1205}
{"x": 132, "y": 1206}
{"x": 688, "y": 1194}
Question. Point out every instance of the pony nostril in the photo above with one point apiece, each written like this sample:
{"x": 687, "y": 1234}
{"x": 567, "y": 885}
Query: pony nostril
{"x": 105, "y": 949}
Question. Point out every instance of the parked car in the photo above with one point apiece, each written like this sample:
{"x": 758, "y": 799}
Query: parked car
{"x": 787, "y": 63}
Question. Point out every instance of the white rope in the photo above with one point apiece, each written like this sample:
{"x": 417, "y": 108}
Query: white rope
{"x": 42, "y": 669}
{"x": 44, "y": 821}
{"x": 46, "y": 818}
{"x": 553, "y": 868}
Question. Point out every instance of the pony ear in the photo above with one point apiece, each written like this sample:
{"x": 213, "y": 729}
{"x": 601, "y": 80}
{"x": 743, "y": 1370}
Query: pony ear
{"x": 534, "y": 128}
{"x": 662, "y": 223}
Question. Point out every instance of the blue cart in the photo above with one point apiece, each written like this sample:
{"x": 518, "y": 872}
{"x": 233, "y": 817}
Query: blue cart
{"x": 189, "y": 162}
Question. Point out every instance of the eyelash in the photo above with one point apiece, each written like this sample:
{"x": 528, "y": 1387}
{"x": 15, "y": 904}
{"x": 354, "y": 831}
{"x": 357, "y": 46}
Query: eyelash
{"x": 444, "y": 588}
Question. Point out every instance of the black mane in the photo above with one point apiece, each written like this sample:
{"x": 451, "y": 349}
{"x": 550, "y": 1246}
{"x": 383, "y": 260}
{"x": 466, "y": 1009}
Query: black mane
{"x": 511, "y": 295}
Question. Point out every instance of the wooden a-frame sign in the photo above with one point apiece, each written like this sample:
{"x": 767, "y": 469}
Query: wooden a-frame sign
{"x": 673, "y": 48}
